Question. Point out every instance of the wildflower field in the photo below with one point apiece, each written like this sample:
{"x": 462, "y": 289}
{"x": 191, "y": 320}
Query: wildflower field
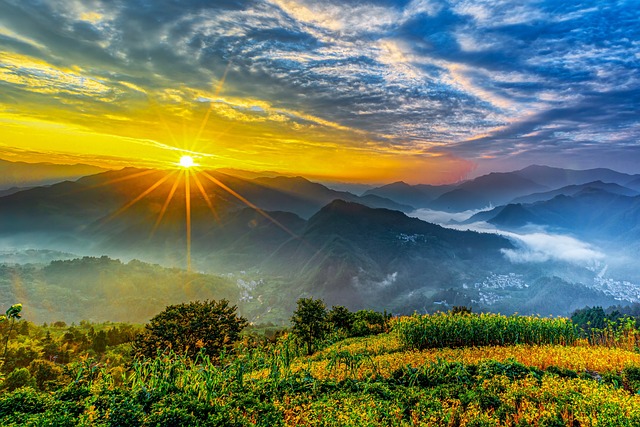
{"x": 381, "y": 380}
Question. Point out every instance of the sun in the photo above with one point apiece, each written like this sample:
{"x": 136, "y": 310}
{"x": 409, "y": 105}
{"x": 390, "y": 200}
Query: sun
{"x": 186, "y": 161}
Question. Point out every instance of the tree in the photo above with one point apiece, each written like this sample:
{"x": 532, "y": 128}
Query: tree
{"x": 590, "y": 318}
{"x": 340, "y": 318}
{"x": 369, "y": 322}
{"x": 12, "y": 313}
{"x": 189, "y": 328}
{"x": 309, "y": 322}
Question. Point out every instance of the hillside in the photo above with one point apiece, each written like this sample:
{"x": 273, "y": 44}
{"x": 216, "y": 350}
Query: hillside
{"x": 103, "y": 289}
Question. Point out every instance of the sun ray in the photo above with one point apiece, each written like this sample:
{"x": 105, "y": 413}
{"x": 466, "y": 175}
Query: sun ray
{"x": 206, "y": 197}
{"x": 187, "y": 196}
{"x": 164, "y": 122}
{"x": 248, "y": 203}
{"x": 176, "y": 183}
{"x": 138, "y": 198}
{"x": 205, "y": 120}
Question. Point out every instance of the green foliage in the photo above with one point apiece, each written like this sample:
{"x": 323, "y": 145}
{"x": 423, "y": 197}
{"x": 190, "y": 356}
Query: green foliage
{"x": 309, "y": 322}
{"x": 209, "y": 327}
{"x": 47, "y": 375}
{"x": 588, "y": 318}
{"x": 467, "y": 330}
{"x": 18, "y": 378}
{"x": 631, "y": 378}
{"x": 255, "y": 387}
{"x": 362, "y": 323}
{"x": 12, "y": 313}
{"x": 369, "y": 322}
{"x": 340, "y": 318}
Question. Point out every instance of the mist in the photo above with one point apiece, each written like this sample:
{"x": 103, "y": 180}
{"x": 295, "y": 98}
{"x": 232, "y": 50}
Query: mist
{"x": 534, "y": 244}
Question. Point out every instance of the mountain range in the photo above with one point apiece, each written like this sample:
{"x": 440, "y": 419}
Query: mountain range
{"x": 496, "y": 189}
{"x": 284, "y": 237}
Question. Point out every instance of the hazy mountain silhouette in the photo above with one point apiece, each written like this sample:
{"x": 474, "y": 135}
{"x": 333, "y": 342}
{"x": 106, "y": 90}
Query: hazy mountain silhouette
{"x": 559, "y": 177}
{"x": 418, "y": 196}
{"x": 592, "y": 213}
{"x": 21, "y": 174}
{"x": 305, "y": 239}
{"x": 571, "y": 190}
{"x": 359, "y": 256}
{"x": 492, "y": 189}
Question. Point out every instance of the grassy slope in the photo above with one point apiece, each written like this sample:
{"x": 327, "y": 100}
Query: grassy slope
{"x": 360, "y": 381}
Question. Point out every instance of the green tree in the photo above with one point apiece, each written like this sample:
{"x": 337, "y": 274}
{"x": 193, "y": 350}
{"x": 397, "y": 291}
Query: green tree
{"x": 12, "y": 313}
{"x": 590, "y": 318}
{"x": 367, "y": 322}
{"x": 309, "y": 322}
{"x": 99, "y": 344}
{"x": 340, "y": 318}
{"x": 209, "y": 326}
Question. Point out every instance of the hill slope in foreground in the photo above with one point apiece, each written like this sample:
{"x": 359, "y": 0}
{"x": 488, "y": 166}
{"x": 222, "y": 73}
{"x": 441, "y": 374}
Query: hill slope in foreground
{"x": 354, "y": 382}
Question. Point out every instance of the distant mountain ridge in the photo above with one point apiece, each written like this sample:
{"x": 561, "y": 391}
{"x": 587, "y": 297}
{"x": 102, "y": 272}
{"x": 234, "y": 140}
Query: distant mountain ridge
{"x": 21, "y": 174}
{"x": 571, "y": 190}
{"x": 498, "y": 188}
{"x": 591, "y": 213}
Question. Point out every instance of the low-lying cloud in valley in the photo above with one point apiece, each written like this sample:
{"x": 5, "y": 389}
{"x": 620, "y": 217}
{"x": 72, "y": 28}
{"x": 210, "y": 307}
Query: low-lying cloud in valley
{"x": 533, "y": 244}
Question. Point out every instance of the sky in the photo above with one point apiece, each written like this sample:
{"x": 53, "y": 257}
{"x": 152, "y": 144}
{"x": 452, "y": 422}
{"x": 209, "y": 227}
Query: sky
{"x": 424, "y": 91}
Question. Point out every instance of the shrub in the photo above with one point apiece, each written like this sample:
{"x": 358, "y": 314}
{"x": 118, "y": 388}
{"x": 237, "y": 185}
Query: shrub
{"x": 18, "y": 378}
{"x": 45, "y": 373}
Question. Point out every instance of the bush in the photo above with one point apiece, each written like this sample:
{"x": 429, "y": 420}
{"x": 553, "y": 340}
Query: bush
{"x": 631, "y": 378}
{"x": 46, "y": 374}
{"x": 369, "y": 322}
{"x": 19, "y": 378}
{"x": 210, "y": 327}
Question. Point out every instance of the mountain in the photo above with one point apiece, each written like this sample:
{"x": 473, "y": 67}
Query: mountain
{"x": 21, "y": 174}
{"x": 634, "y": 184}
{"x": 358, "y": 256}
{"x": 418, "y": 196}
{"x": 591, "y": 214}
{"x": 317, "y": 195}
{"x": 488, "y": 190}
{"x": 559, "y": 177}
{"x": 13, "y": 190}
{"x": 572, "y": 190}
{"x": 282, "y": 238}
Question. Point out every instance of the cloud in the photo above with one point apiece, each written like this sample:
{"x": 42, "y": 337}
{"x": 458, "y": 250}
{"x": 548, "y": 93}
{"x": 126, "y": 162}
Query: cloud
{"x": 444, "y": 218}
{"x": 541, "y": 247}
{"x": 480, "y": 80}
{"x": 533, "y": 244}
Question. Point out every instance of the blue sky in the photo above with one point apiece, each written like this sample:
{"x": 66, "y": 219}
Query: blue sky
{"x": 481, "y": 85}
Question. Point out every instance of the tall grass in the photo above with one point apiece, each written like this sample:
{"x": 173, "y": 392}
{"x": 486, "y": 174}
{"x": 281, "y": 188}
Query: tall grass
{"x": 475, "y": 330}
